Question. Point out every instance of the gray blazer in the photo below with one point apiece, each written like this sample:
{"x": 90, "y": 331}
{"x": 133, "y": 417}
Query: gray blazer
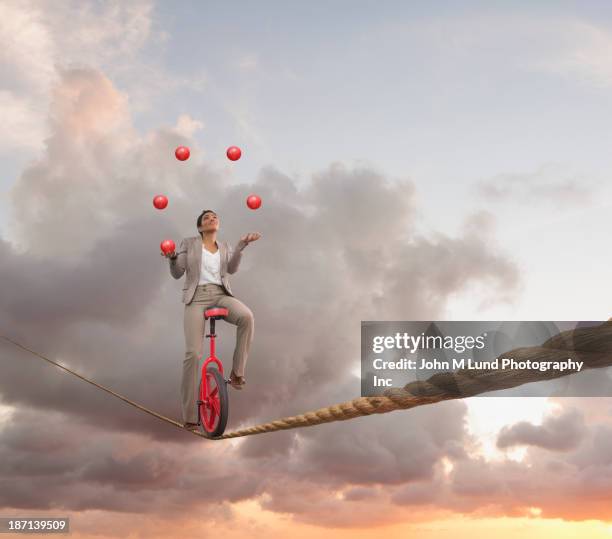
{"x": 189, "y": 261}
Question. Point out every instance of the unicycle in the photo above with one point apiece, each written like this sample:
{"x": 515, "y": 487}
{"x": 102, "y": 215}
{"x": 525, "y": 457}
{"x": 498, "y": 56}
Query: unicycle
{"x": 213, "y": 401}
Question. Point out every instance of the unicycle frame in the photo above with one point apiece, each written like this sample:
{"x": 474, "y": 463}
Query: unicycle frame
{"x": 205, "y": 399}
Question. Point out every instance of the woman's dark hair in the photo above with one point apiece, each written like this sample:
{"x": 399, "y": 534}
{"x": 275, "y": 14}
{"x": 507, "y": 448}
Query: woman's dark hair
{"x": 200, "y": 217}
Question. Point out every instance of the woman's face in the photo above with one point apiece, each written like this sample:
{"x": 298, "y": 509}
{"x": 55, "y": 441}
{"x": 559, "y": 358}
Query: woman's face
{"x": 210, "y": 222}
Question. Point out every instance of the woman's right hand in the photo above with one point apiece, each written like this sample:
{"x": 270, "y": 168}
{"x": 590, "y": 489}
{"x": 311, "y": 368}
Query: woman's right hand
{"x": 168, "y": 255}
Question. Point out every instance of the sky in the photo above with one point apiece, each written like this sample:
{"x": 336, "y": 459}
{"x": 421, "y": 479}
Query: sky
{"x": 426, "y": 161}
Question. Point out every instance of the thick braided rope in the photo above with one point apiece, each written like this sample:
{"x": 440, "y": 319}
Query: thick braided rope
{"x": 592, "y": 345}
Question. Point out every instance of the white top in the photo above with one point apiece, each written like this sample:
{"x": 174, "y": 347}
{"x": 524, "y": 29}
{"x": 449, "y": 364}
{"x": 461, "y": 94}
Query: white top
{"x": 210, "y": 270}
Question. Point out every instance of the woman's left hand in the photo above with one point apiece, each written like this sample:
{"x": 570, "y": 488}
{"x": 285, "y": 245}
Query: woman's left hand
{"x": 252, "y": 236}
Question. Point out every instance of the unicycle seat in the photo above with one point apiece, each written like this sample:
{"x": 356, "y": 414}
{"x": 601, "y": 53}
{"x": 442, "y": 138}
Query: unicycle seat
{"x": 216, "y": 313}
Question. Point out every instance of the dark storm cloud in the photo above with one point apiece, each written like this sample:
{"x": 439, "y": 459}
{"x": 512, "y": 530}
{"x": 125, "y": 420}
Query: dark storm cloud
{"x": 86, "y": 285}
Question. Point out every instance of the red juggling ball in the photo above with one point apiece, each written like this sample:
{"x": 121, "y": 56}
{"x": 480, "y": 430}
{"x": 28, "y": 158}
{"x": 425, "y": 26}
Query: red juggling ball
{"x": 233, "y": 153}
{"x": 182, "y": 153}
{"x": 160, "y": 202}
{"x": 167, "y": 246}
{"x": 253, "y": 202}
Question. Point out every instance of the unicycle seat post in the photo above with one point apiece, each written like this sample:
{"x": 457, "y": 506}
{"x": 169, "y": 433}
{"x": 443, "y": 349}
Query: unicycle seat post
{"x": 212, "y": 336}
{"x": 214, "y": 313}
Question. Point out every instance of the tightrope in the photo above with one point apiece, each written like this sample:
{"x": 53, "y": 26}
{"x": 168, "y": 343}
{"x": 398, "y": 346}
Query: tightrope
{"x": 592, "y": 345}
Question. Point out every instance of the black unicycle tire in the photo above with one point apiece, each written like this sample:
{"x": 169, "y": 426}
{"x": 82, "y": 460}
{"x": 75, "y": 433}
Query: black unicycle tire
{"x": 223, "y": 402}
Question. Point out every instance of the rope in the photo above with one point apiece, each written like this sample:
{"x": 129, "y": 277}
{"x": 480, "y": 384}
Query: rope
{"x": 124, "y": 399}
{"x": 593, "y": 345}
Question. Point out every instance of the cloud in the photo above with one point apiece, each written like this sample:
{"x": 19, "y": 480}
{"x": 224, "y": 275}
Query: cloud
{"x": 81, "y": 470}
{"x": 583, "y": 54}
{"x": 186, "y": 126}
{"x": 22, "y": 127}
{"x": 562, "y": 479}
{"x": 572, "y": 484}
{"x": 545, "y": 185}
{"x": 89, "y": 288}
{"x": 38, "y": 40}
{"x": 556, "y": 433}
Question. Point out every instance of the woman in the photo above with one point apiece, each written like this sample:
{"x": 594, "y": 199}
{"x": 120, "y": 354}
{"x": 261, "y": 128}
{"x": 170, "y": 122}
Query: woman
{"x": 207, "y": 264}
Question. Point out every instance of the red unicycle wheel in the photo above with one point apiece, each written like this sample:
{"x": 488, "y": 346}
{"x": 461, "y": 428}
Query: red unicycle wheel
{"x": 213, "y": 403}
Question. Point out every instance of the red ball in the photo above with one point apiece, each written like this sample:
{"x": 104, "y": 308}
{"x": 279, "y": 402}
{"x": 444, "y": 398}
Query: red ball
{"x": 182, "y": 153}
{"x": 253, "y": 202}
{"x": 233, "y": 153}
{"x": 160, "y": 202}
{"x": 167, "y": 246}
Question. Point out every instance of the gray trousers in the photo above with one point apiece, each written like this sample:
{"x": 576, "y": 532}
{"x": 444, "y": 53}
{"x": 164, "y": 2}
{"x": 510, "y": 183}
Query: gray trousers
{"x": 240, "y": 315}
